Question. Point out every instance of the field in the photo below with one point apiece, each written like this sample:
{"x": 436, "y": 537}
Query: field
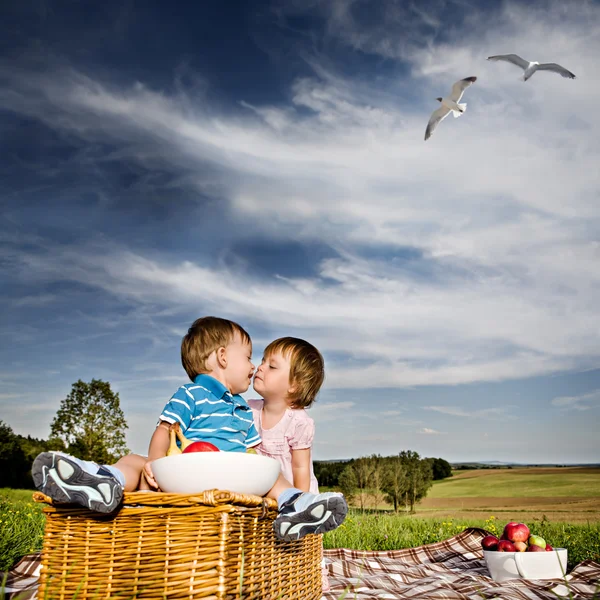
{"x": 560, "y": 494}
{"x": 561, "y": 504}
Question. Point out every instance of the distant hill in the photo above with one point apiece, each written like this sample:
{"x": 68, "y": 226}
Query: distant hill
{"x": 488, "y": 464}
{"x": 497, "y": 464}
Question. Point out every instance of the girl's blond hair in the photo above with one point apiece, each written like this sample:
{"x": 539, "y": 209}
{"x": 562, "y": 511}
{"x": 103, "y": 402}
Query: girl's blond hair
{"x": 307, "y": 368}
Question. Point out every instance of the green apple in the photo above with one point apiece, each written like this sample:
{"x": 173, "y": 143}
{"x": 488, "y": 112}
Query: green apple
{"x": 536, "y": 540}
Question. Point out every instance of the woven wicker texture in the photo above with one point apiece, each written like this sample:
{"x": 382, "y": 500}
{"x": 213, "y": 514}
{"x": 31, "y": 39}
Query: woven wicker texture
{"x": 216, "y": 545}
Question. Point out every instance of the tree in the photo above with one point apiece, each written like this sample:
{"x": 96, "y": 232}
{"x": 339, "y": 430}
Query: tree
{"x": 347, "y": 481}
{"x": 328, "y": 472}
{"x": 363, "y": 471}
{"x": 377, "y": 479}
{"x": 90, "y": 423}
{"x": 419, "y": 476}
{"x": 396, "y": 481}
{"x": 441, "y": 468}
{"x": 14, "y": 466}
{"x": 32, "y": 446}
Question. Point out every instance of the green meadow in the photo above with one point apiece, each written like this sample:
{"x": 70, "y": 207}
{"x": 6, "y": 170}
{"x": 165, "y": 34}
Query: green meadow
{"x": 530, "y": 482}
{"x": 558, "y": 494}
{"x": 561, "y": 504}
{"x": 21, "y": 526}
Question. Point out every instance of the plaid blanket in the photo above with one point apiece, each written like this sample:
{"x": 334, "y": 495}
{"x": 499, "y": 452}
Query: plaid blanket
{"x": 22, "y": 580}
{"x": 450, "y": 570}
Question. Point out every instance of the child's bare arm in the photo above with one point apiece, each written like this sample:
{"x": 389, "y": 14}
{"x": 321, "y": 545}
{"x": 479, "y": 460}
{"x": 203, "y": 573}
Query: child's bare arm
{"x": 159, "y": 444}
{"x": 301, "y": 469}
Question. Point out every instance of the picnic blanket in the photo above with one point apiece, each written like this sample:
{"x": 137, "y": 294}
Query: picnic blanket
{"x": 450, "y": 570}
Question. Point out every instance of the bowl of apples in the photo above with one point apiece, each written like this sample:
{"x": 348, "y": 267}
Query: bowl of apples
{"x": 195, "y": 467}
{"x": 518, "y": 554}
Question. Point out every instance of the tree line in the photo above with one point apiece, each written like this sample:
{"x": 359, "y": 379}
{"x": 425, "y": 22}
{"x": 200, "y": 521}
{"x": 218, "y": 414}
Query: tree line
{"x": 402, "y": 479}
{"x": 90, "y": 424}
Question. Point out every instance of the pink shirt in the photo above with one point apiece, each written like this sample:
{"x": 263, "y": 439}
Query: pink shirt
{"x": 295, "y": 431}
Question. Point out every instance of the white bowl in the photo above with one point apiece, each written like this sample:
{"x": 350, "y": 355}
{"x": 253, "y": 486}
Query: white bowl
{"x": 526, "y": 565}
{"x": 195, "y": 472}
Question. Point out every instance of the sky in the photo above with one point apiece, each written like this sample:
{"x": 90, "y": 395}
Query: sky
{"x": 264, "y": 162}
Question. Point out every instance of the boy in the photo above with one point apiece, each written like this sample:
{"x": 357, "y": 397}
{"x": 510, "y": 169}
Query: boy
{"x": 216, "y": 355}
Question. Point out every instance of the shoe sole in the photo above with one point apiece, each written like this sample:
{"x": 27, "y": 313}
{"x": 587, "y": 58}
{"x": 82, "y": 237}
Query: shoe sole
{"x": 67, "y": 483}
{"x": 311, "y": 520}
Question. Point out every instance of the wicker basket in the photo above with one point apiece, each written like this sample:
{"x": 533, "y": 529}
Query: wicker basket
{"x": 215, "y": 545}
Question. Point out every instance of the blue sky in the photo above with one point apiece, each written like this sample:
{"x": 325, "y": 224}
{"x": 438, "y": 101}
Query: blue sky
{"x": 264, "y": 162}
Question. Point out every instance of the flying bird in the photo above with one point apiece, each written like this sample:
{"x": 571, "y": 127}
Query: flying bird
{"x": 529, "y": 68}
{"x": 450, "y": 104}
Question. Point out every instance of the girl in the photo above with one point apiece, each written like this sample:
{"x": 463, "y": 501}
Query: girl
{"x": 288, "y": 379}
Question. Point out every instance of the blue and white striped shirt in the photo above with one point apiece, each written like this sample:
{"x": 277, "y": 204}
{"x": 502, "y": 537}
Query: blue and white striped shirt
{"x": 207, "y": 411}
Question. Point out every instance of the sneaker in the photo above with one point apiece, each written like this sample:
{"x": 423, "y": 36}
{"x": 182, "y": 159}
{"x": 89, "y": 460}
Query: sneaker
{"x": 324, "y": 513}
{"x": 66, "y": 482}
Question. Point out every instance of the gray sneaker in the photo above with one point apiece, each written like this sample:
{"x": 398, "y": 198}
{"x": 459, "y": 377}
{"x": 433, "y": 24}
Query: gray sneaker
{"x": 325, "y": 513}
{"x": 63, "y": 479}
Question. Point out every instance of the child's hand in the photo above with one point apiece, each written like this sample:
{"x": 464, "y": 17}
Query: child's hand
{"x": 149, "y": 475}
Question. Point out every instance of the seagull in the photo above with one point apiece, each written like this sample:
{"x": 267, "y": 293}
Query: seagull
{"x": 530, "y": 68}
{"x": 450, "y": 104}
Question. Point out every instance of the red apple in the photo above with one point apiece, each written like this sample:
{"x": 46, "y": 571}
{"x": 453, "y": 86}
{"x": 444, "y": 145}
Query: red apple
{"x": 201, "y": 447}
{"x": 504, "y": 536}
{"x": 534, "y": 548}
{"x": 516, "y": 532}
{"x": 549, "y": 548}
{"x": 520, "y": 546}
{"x": 489, "y": 542}
{"x": 506, "y": 546}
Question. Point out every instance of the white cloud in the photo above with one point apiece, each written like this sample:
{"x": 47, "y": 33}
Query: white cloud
{"x": 428, "y": 431}
{"x": 394, "y": 322}
{"x": 504, "y": 226}
{"x": 483, "y": 413}
{"x": 578, "y": 403}
{"x": 324, "y": 412}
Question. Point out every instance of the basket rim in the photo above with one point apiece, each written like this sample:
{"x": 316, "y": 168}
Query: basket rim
{"x": 207, "y": 498}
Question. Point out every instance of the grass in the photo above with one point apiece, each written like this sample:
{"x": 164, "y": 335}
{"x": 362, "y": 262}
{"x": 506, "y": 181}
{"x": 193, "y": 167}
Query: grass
{"x": 378, "y": 530}
{"x": 566, "y": 494}
{"x": 520, "y": 483}
{"x": 572, "y": 495}
{"x": 21, "y": 526}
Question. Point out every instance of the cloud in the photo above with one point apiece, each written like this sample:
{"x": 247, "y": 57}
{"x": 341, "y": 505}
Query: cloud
{"x": 428, "y": 431}
{"x": 449, "y": 263}
{"x": 330, "y": 411}
{"x": 578, "y": 403}
{"x": 484, "y": 413}
{"x": 325, "y": 311}
{"x": 39, "y": 300}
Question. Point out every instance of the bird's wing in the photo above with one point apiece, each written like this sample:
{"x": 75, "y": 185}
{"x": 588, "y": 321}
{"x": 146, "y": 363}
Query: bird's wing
{"x": 458, "y": 89}
{"x": 436, "y": 116}
{"x": 515, "y": 59}
{"x": 557, "y": 69}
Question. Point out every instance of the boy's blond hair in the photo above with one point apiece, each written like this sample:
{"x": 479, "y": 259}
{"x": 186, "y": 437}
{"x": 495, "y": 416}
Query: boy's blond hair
{"x": 307, "y": 370}
{"x": 206, "y": 335}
